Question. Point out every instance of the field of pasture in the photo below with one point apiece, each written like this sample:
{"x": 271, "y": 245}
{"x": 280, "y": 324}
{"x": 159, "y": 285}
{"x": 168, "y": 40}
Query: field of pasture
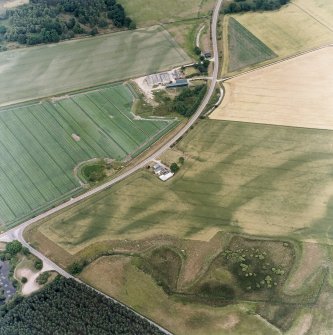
{"x": 259, "y": 179}
{"x": 47, "y": 70}
{"x": 296, "y": 92}
{"x": 40, "y": 144}
{"x": 238, "y": 178}
{"x": 298, "y": 26}
{"x": 149, "y": 12}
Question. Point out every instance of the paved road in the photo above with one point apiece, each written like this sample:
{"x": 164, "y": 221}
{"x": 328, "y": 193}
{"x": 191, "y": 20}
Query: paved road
{"x": 17, "y": 232}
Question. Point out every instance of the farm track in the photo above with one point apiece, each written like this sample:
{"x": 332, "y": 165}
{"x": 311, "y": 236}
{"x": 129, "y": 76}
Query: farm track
{"x": 17, "y": 233}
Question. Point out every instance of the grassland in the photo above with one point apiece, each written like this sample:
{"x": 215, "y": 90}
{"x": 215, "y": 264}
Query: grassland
{"x": 244, "y": 48}
{"x": 288, "y": 30}
{"x": 40, "y": 144}
{"x": 149, "y": 12}
{"x": 295, "y": 93}
{"x": 141, "y": 292}
{"x": 53, "y": 69}
{"x": 239, "y": 176}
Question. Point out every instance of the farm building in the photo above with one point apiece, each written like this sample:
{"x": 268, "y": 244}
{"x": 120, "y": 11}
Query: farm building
{"x": 159, "y": 79}
{"x": 178, "y": 83}
{"x": 167, "y": 176}
{"x": 162, "y": 171}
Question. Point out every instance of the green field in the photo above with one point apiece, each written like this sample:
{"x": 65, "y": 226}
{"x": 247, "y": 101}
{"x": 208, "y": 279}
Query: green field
{"x": 255, "y": 190}
{"x": 239, "y": 176}
{"x": 47, "y": 70}
{"x": 148, "y": 12}
{"x": 39, "y": 147}
{"x": 244, "y": 48}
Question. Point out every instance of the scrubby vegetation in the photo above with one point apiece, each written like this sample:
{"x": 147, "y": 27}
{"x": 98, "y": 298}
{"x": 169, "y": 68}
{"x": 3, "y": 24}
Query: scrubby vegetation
{"x": 163, "y": 264}
{"x": 43, "y": 278}
{"x": 67, "y": 307}
{"x": 237, "y": 6}
{"x": 188, "y": 101}
{"x": 48, "y": 21}
{"x": 94, "y": 172}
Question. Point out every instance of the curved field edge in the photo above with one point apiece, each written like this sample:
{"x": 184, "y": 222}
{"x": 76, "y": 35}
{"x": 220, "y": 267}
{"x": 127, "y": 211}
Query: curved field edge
{"x": 43, "y": 143}
{"x": 226, "y": 182}
{"x": 113, "y": 269}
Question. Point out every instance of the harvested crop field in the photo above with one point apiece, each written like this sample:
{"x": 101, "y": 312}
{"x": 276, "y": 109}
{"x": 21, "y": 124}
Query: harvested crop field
{"x": 40, "y": 144}
{"x": 322, "y": 10}
{"x": 296, "y": 92}
{"x": 260, "y": 179}
{"x": 290, "y": 29}
{"x": 68, "y": 66}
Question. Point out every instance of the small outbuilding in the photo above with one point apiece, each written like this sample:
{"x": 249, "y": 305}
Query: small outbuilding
{"x": 178, "y": 83}
{"x": 165, "y": 177}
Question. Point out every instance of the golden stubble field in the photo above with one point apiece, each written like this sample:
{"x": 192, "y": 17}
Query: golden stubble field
{"x": 299, "y": 26}
{"x": 297, "y": 92}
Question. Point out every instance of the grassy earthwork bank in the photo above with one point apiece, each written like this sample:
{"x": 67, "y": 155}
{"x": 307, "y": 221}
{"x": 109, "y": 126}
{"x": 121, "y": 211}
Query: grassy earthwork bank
{"x": 41, "y": 144}
{"x": 165, "y": 245}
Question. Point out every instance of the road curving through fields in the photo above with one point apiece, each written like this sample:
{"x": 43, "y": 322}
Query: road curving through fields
{"x": 17, "y": 232}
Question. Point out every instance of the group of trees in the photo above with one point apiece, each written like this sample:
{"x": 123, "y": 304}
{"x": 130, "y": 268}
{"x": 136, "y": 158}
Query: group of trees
{"x": 188, "y": 101}
{"x": 47, "y": 21}
{"x": 237, "y": 6}
{"x": 67, "y": 307}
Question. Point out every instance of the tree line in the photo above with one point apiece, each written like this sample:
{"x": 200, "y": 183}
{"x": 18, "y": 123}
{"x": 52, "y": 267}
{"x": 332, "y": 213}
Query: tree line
{"x": 237, "y": 6}
{"x": 68, "y": 307}
{"x": 49, "y": 21}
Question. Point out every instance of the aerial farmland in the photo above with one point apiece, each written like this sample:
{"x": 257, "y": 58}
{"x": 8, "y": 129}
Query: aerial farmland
{"x": 42, "y": 143}
{"x": 238, "y": 241}
{"x": 83, "y": 63}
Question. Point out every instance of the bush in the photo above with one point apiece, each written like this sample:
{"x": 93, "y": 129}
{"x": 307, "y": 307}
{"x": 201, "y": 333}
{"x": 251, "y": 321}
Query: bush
{"x": 25, "y": 251}
{"x": 77, "y": 267}
{"x": 43, "y": 278}
{"x": 174, "y": 167}
{"x": 197, "y": 51}
{"x": 38, "y": 264}
{"x": 24, "y": 280}
{"x": 14, "y": 247}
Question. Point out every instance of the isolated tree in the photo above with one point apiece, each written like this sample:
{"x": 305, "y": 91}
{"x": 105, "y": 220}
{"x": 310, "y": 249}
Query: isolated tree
{"x": 174, "y": 167}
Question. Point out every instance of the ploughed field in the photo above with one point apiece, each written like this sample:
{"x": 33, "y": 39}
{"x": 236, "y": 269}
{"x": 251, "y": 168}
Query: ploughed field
{"x": 46, "y": 70}
{"x": 40, "y": 144}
